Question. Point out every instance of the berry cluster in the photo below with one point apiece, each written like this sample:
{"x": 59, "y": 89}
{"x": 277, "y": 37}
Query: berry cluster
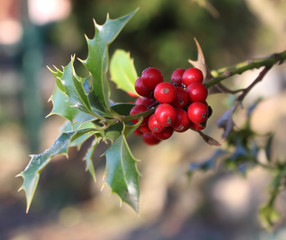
{"x": 179, "y": 105}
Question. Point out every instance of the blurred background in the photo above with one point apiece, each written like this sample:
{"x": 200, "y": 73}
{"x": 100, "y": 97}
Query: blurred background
{"x": 68, "y": 205}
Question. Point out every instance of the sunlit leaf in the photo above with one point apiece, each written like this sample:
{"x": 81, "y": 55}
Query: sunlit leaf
{"x": 123, "y": 71}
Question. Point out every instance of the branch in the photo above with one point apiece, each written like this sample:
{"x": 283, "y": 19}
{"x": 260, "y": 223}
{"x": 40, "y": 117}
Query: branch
{"x": 223, "y": 73}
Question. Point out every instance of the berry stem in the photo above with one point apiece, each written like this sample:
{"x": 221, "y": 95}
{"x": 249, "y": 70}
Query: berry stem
{"x": 223, "y": 73}
{"x": 138, "y": 115}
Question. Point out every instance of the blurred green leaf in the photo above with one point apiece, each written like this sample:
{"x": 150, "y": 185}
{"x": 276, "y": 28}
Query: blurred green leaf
{"x": 208, "y": 163}
{"x": 121, "y": 172}
{"x": 268, "y": 216}
{"x": 123, "y": 71}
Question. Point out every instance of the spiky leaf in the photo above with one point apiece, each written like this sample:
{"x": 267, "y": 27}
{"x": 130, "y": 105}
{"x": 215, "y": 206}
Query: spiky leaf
{"x": 31, "y": 174}
{"x": 121, "y": 172}
{"x": 97, "y": 59}
{"x": 88, "y": 158}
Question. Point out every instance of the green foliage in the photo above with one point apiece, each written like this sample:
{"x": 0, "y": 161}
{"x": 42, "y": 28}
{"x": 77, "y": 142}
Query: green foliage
{"x": 90, "y": 113}
{"x": 86, "y": 104}
{"x": 123, "y": 71}
{"x": 121, "y": 172}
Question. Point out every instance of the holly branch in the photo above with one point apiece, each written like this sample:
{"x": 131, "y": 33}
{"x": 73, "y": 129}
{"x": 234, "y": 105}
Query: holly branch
{"x": 239, "y": 68}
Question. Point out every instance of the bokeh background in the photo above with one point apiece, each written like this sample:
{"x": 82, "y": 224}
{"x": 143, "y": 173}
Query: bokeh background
{"x": 214, "y": 205}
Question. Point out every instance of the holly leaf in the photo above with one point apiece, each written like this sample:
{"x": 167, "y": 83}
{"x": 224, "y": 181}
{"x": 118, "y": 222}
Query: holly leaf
{"x": 200, "y": 63}
{"x": 121, "y": 172}
{"x": 88, "y": 158}
{"x": 72, "y": 86}
{"x": 61, "y": 105}
{"x": 31, "y": 174}
{"x": 123, "y": 72}
{"x": 97, "y": 59}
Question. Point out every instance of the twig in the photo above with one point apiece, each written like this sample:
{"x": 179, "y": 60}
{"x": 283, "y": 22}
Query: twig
{"x": 223, "y": 73}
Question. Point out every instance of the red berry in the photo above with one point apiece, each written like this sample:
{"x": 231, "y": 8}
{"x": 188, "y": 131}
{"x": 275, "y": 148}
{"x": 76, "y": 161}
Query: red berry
{"x": 165, "y": 134}
{"x": 147, "y": 101}
{"x": 198, "y": 112}
{"x": 192, "y": 75}
{"x": 182, "y": 123}
{"x": 154, "y": 125}
{"x": 182, "y": 98}
{"x": 138, "y": 109}
{"x": 150, "y": 139}
{"x": 197, "y": 126}
{"x": 165, "y": 115}
{"x": 197, "y": 92}
{"x": 176, "y": 77}
{"x": 144, "y": 129}
{"x": 165, "y": 92}
{"x": 141, "y": 89}
{"x": 151, "y": 77}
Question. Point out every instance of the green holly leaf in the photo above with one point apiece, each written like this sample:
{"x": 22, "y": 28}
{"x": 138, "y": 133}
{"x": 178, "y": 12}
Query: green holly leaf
{"x": 123, "y": 71}
{"x": 97, "y": 59}
{"x": 31, "y": 174}
{"x": 121, "y": 172}
{"x": 61, "y": 105}
{"x": 72, "y": 86}
{"x": 88, "y": 158}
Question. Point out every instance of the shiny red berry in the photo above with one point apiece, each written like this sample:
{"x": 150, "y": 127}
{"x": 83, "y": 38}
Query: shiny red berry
{"x": 197, "y": 92}
{"x": 181, "y": 99}
{"x": 150, "y": 139}
{"x": 176, "y": 77}
{"x": 141, "y": 89}
{"x": 192, "y": 75}
{"x": 198, "y": 112}
{"x": 165, "y": 134}
{"x": 139, "y": 109}
{"x": 182, "y": 123}
{"x": 154, "y": 125}
{"x": 144, "y": 128}
{"x": 165, "y": 92}
{"x": 197, "y": 126}
{"x": 151, "y": 77}
{"x": 147, "y": 101}
{"x": 165, "y": 115}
